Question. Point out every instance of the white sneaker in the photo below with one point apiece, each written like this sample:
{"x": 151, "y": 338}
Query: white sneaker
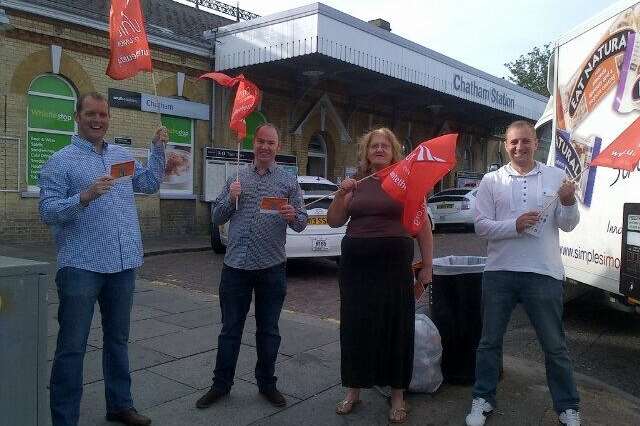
{"x": 569, "y": 418}
{"x": 480, "y": 409}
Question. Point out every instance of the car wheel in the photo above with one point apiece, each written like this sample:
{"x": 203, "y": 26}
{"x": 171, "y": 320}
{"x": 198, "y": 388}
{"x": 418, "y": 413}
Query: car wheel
{"x": 216, "y": 242}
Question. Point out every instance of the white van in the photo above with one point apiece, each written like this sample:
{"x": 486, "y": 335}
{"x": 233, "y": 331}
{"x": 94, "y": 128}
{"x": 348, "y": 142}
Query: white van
{"x": 594, "y": 81}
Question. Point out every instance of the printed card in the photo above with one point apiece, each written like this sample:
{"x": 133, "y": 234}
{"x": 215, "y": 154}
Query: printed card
{"x": 271, "y": 205}
{"x": 123, "y": 170}
{"x": 538, "y": 227}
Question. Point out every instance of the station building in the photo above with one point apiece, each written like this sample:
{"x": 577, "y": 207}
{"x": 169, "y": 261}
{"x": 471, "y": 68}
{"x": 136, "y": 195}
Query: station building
{"x": 326, "y": 77}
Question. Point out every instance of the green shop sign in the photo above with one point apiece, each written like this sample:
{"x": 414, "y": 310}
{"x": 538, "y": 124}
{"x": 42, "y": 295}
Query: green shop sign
{"x": 51, "y": 113}
{"x": 41, "y": 147}
{"x": 179, "y": 129}
{"x": 254, "y": 119}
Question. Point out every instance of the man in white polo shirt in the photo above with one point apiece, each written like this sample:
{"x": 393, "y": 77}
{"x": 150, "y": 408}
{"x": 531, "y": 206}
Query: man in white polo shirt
{"x": 519, "y": 209}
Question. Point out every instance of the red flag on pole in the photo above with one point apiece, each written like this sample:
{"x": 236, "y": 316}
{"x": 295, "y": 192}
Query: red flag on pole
{"x": 246, "y": 100}
{"x": 623, "y": 152}
{"x": 413, "y": 177}
{"x": 127, "y": 40}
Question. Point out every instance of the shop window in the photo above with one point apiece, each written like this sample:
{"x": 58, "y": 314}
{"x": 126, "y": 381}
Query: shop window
{"x": 51, "y": 103}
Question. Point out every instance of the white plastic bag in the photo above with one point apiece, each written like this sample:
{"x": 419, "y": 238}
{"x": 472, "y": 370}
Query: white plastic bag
{"x": 427, "y": 355}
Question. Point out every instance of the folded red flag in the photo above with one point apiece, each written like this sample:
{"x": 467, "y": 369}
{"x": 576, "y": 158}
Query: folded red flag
{"x": 129, "y": 48}
{"x": 413, "y": 177}
{"x": 246, "y": 100}
{"x": 623, "y": 152}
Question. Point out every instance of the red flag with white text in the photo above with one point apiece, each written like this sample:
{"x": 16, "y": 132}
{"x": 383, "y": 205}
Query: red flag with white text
{"x": 623, "y": 152}
{"x": 129, "y": 48}
{"x": 246, "y": 100}
{"x": 409, "y": 181}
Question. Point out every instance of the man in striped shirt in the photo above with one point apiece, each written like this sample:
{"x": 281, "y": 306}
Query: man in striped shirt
{"x": 95, "y": 225}
{"x": 255, "y": 262}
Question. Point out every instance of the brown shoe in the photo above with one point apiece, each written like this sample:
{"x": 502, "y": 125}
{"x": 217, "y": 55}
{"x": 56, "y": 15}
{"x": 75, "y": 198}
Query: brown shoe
{"x": 274, "y": 397}
{"x": 129, "y": 417}
{"x": 209, "y": 398}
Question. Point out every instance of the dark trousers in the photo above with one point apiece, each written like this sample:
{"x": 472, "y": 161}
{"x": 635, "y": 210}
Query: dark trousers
{"x": 236, "y": 288}
{"x": 78, "y": 291}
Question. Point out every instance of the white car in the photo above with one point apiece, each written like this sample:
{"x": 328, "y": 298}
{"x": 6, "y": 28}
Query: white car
{"x": 453, "y": 206}
{"x": 318, "y": 239}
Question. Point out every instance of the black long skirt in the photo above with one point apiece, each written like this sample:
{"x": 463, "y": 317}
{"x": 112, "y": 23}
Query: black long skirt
{"x": 377, "y": 312}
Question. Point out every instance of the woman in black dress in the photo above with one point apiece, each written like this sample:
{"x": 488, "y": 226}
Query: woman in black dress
{"x": 376, "y": 281}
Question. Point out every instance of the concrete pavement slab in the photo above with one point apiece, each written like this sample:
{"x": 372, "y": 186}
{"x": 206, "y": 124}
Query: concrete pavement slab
{"x": 197, "y": 370}
{"x": 185, "y": 343}
{"x": 195, "y": 319}
{"x": 170, "y": 302}
{"x": 242, "y": 406}
{"x": 148, "y": 390}
{"x": 318, "y": 375}
{"x": 319, "y": 410}
{"x": 298, "y": 337}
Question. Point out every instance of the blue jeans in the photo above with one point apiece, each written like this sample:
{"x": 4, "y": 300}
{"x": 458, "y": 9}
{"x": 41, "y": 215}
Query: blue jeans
{"x": 541, "y": 297}
{"x": 236, "y": 288}
{"x": 78, "y": 291}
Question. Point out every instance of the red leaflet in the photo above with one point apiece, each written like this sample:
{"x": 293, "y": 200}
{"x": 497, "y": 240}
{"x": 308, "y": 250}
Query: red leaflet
{"x": 247, "y": 99}
{"x": 413, "y": 177}
{"x": 128, "y": 40}
{"x": 623, "y": 152}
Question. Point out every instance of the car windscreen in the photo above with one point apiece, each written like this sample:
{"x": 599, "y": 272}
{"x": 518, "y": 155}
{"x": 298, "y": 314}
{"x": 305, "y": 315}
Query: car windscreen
{"x": 461, "y": 191}
{"x": 322, "y": 204}
{"x": 316, "y": 188}
{"x": 445, "y": 198}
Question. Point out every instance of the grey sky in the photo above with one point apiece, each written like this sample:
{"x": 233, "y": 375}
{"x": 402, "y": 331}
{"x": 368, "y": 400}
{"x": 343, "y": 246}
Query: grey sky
{"x": 482, "y": 33}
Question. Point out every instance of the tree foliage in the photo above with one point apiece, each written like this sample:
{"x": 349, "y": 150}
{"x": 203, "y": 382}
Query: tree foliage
{"x": 530, "y": 70}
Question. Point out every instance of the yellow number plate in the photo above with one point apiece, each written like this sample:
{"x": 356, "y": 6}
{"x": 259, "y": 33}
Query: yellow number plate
{"x": 317, "y": 220}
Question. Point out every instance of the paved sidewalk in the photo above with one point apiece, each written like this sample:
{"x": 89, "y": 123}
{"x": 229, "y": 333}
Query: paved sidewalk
{"x": 173, "y": 347}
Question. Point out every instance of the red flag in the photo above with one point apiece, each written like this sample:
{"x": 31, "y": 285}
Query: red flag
{"x": 623, "y": 152}
{"x": 127, "y": 40}
{"x": 247, "y": 99}
{"x": 413, "y": 177}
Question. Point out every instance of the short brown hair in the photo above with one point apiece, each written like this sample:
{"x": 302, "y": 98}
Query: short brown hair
{"x": 266, "y": 124}
{"x": 94, "y": 95}
{"x": 364, "y": 166}
{"x": 520, "y": 124}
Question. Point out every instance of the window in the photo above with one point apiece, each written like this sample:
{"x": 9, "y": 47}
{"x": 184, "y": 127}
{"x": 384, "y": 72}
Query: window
{"x": 317, "y": 156}
{"x": 544, "y": 141}
{"x": 51, "y": 103}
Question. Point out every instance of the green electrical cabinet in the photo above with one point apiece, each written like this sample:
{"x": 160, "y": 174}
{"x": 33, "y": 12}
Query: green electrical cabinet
{"x": 23, "y": 342}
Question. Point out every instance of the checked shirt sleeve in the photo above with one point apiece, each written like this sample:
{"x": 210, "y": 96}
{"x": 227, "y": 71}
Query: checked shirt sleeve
{"x": 147, "y": 179}
{"x": 56, "y": 205}
{"x": 300, "y": 222}
{"x": 222, "y": 208}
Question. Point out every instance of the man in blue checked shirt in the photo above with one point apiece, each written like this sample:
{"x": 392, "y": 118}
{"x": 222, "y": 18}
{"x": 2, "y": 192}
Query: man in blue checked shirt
{"x": 95, "y": 225}
{"x": 255, "y": 263}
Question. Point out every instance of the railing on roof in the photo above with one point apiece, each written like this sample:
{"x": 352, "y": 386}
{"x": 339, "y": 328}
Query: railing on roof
{"x": 225, "y": 8}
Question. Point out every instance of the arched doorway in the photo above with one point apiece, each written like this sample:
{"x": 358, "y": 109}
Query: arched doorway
{"x": 317, "y": 156}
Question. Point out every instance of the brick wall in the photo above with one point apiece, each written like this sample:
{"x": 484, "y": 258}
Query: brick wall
{"x": 25, "y": 53}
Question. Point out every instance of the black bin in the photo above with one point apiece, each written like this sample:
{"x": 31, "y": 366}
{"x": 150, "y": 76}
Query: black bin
{"x": 455, "y": 305}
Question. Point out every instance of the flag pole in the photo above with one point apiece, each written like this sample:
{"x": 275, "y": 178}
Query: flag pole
{"x": 238, "y": 168}
{"x": 358, "y": 181}
{"x": 574, "y": 180}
